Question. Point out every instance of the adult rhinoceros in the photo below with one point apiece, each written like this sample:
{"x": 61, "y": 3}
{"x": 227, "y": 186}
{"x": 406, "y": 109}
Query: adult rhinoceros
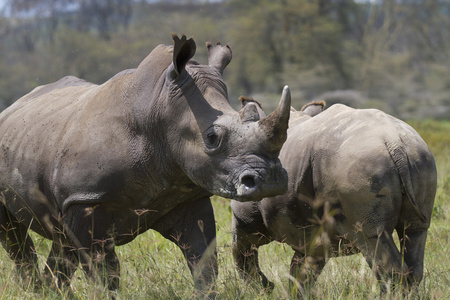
{"x": 354, "y": 177}
{"x": 92, "y": 166}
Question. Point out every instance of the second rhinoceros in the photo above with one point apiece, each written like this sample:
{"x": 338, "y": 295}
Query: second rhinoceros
{"x": 355, "y": 176}
{"x": 92, "y": 166}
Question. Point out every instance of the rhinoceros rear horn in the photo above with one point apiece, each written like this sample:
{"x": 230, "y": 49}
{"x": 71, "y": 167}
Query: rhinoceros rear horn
{"x": 218, "y": 56}
{"x": 183, "y": 51}
{"x": 275, "y": 125}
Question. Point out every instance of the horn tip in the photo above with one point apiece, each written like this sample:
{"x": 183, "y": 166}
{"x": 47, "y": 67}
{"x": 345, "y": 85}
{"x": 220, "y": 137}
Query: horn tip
{"x": 286, "y": 93}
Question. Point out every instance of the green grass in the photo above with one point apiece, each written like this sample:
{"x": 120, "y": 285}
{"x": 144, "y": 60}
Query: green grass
{"x": 154, "y": 268}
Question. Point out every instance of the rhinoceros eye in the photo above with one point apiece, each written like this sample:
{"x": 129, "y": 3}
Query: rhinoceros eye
{"x": 212, "y": 140}
{"x": 213, "y": 137}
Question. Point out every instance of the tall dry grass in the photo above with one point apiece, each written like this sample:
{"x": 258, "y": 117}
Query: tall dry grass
{"x": 154, "y": 268}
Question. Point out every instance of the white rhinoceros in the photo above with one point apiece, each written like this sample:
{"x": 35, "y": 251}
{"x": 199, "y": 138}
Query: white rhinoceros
{"x": 92, "y": 166}
{"x": 355, "y": 176}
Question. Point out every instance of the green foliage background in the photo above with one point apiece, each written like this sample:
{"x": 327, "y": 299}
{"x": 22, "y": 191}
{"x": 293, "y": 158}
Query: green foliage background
{"x": 394, "y": 55}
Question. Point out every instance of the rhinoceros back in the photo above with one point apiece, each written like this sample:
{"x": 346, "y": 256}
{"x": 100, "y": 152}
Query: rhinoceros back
{"x": 53, "y": 140}
{"x": 361, "y": 137}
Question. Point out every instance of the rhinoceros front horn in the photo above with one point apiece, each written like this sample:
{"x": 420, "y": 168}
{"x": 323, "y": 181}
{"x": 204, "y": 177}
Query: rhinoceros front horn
{"x": 275, "y": 125}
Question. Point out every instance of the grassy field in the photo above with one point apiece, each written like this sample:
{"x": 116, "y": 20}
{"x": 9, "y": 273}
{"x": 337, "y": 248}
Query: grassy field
{"x": 153, "y": 268}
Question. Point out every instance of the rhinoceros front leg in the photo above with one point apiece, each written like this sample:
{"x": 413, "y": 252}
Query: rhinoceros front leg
{"x": 192, "y": 228}
{"x": 19, "y": 246}
{"x": 246, "y": 260}
{"x": 244, "y": 247}
{"x": 61, "y": 263}
{"x": 305, "y": 269}
{"x": 89, "y": 231}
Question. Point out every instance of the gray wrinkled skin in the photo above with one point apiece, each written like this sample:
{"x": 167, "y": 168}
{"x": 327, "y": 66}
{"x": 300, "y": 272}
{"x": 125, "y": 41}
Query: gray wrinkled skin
{"x": 355, "y": 176}
{"x": 92, "y": 166}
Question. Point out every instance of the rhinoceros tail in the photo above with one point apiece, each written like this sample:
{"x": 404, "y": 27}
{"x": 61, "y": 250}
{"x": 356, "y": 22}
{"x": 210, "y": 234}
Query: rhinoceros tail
{"x": 401, "y": 161}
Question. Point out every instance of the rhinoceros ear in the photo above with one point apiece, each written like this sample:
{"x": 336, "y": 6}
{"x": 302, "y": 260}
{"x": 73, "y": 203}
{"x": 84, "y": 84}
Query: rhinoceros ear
{"x": 183, "y": 51}
{"x": 251, "y": 110}
{"x": 249, "y": 113}
{"x": 313, "y": 108}
{"x": 246, "y": 100}
{"x": 218, "y": 56}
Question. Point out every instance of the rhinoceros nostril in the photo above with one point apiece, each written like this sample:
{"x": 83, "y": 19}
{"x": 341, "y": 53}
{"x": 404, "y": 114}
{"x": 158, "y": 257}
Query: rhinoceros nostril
{"x": 248, "y": 181}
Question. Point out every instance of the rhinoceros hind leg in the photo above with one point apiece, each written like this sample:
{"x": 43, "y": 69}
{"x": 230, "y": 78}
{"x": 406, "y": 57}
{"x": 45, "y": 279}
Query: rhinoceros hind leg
{"x": 414, "y": 242}
{"x": 305, "y": 269}
{"x": 19, "y": 246}
{"x": 384, "y": 259}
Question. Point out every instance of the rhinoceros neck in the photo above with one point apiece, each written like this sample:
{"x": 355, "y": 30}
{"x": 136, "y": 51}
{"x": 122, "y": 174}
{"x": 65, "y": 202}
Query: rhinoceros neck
{"x": 143, "y": 91}
{"x": 147, "y": 98}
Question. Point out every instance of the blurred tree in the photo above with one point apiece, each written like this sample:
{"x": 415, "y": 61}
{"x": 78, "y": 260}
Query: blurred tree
{"x": 393, "y": 54}
{"x": 105, "y": 16}
{"x": 402, "y": 43}
{"x": 285, "y": 36}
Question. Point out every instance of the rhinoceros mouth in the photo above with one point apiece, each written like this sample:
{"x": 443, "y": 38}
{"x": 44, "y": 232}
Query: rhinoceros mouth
{"x": 251, "y": 186}
{"x": 248, "y": 184}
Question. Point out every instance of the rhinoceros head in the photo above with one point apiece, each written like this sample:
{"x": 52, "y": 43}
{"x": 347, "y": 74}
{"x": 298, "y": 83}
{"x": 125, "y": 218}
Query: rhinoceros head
{"x": 229, "y": 153}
